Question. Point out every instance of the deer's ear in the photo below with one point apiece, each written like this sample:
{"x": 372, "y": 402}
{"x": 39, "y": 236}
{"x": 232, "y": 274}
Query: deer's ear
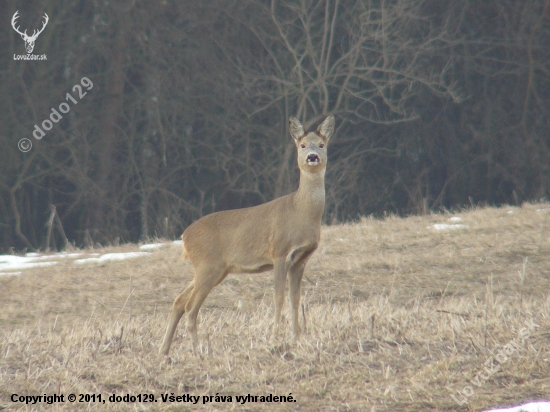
{"x": 296, "y": 129}
{"x": 326, "y": 129}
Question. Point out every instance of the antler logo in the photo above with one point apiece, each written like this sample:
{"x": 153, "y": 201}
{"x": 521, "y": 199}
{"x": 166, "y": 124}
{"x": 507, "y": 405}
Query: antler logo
{"x": 29, "y": 40}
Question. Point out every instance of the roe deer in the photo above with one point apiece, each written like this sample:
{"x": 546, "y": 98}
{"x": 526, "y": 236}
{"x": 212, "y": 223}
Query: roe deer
{"x": 279, "y": 235}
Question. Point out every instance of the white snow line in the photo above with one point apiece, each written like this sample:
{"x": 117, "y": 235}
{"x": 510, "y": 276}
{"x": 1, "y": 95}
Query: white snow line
{"x": 112, "y": 257}
{"x": 10, "y": 273}
{"x": 528, "y": 407}
{"x": 152, "y": 246}
{"x": 445, "y": 226}
{"x": 11, "y": 262}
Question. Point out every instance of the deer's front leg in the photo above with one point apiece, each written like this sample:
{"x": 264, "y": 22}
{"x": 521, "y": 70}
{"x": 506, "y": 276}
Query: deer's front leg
{"x": 279, "y": 270}
{"x": 295, "y": 274}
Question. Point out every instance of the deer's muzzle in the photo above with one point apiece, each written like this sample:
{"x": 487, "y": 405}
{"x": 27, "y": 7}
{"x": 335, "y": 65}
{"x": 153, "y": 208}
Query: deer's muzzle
{"x": 312, "y": 158}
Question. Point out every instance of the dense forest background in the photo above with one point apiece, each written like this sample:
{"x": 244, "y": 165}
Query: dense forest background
{"x": 438, "y": 104}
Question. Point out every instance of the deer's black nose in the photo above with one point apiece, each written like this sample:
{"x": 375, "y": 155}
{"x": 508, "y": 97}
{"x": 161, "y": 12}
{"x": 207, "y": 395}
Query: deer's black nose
{"x": 312, "y": 157}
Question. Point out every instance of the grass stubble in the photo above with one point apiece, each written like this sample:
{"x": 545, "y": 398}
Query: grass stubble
{"x": 399, "y": 317}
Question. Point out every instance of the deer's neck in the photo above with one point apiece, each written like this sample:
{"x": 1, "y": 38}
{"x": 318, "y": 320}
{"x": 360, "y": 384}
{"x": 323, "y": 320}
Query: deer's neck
{"x": 310, "y": 196}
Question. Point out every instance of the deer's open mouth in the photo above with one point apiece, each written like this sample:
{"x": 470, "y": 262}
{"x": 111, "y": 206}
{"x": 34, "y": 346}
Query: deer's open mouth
{"x": 312, "y": 159}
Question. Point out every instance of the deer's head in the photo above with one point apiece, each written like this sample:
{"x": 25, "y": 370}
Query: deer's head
{"x": 312, "y": 146}
{"x": 29, "y": 40}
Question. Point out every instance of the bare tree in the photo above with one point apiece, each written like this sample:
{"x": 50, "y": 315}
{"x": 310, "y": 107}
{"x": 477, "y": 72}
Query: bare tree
{"x": 367, "y": 62}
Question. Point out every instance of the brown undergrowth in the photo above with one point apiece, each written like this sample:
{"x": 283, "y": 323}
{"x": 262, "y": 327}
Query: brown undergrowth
{"x": 399, "y": 317}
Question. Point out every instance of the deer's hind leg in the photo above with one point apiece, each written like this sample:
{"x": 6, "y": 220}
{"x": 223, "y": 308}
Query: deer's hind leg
{"x": 206, "y": 277}
{"x": 178, "y": 309}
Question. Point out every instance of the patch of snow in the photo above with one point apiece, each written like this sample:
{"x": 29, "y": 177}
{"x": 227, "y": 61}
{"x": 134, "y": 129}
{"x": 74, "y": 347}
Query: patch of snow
{"x": 455, "y": 219}
{"x": 177, "y": 242}
{"x": 68, "y": 255}
{"x": 112, "y": 257}
{"x": 86, "y": 260}
{"x": 528, "y": 407}
{"x": 11, "y": 262}
{"x": 543, "y": 209}
{"x": 510, "y": 212}
{"x": 31, "y": 254}
{"x": 445, "y": 226}
{"x": 151, "y": 246}
{"x": 342, "y": 239}
{"x": 37, "y": 265}
{"x": 10, "y": 273}
{"x": 58, "y": 256}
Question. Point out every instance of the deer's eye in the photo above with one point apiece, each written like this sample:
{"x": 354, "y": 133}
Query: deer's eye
{"x": 321, "y": 145}
{"x": 303, "y": 146}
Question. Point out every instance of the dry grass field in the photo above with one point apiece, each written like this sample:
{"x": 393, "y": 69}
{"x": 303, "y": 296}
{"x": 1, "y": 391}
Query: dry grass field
{"x": 399, "y": 317}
